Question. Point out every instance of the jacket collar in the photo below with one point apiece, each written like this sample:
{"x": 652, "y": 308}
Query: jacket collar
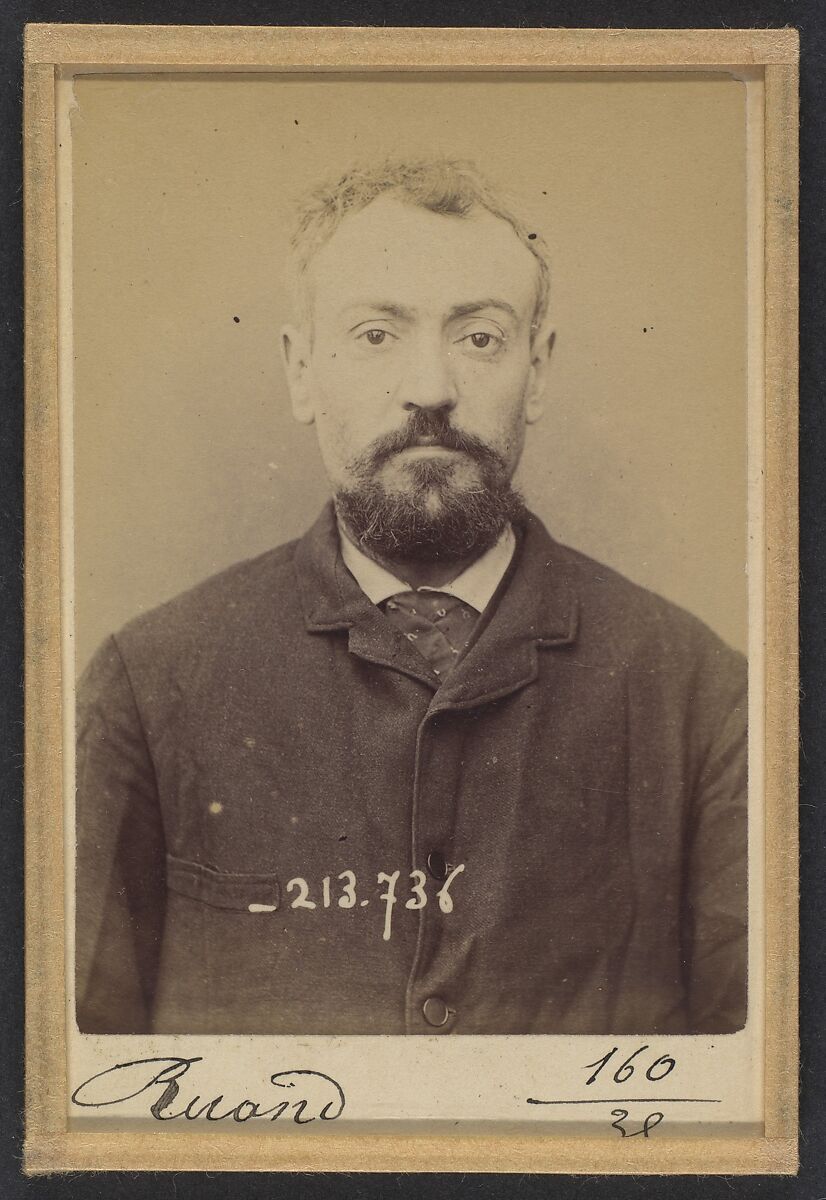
{"x": 536, "y": 606}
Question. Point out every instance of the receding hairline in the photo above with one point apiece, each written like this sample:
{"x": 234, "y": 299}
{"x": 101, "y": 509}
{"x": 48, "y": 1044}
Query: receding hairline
{"x": 445, "y": 187}
{"x": 315, "y": 272}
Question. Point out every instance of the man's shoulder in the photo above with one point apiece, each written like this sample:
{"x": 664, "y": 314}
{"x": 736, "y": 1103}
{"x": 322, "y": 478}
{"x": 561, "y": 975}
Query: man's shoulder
{"x": 633, "y": 624}
{"x": 248, "y": 593}
{"x": 607, "y": 592}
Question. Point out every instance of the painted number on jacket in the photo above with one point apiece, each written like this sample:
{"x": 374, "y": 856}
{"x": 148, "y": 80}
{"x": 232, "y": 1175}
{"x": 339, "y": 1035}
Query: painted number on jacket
{"x": 343, "y": 893}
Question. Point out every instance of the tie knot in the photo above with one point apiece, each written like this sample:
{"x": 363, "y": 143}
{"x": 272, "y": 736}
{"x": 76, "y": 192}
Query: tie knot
{"x": 437, "y": 624}
{"x": 432, "y": 606}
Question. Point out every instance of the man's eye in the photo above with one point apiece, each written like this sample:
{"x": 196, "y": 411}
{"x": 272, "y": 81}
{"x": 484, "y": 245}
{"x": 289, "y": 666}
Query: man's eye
{"x": 374, "y": 337}
{"x": 481, "y": 340}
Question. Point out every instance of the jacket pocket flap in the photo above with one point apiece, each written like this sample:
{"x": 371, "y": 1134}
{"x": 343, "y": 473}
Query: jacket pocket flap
{"x": 223, "y": 889}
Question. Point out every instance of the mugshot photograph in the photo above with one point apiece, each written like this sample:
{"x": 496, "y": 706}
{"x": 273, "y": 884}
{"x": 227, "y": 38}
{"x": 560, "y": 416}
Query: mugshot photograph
{"x": 424, "y": 769}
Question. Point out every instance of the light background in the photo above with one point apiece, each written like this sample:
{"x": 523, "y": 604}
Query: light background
{"x": 186, "y": 457}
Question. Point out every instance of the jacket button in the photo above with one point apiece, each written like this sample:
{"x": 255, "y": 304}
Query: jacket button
{"x": 436, "y": 865}
{"x": 436, "y": 1012}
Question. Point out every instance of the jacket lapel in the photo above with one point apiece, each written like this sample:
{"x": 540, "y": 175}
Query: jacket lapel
{"x": 332, "y": 601}
{"x": 535, "y": 607}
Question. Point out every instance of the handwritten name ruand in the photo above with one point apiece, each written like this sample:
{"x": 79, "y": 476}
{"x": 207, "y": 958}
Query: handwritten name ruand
{"x": 306, "y": 1096}
{"x": 312, "y": 1094}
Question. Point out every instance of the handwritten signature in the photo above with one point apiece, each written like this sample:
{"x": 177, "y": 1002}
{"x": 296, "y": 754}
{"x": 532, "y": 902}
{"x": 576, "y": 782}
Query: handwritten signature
{"x": 314, "y": 1094}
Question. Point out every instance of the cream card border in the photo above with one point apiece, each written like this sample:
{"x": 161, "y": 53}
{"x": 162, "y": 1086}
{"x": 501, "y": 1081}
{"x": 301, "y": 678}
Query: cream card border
{"x": 49, "y": 49}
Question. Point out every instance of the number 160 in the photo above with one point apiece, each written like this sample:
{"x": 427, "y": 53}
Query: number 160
{"x": 661, "y": 1066}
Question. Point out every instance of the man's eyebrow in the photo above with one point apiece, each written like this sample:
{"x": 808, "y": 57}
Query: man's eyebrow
{"x": 388, "y": 308}
{"x": 382, "y": 306}
{"x": 467, "y": 310}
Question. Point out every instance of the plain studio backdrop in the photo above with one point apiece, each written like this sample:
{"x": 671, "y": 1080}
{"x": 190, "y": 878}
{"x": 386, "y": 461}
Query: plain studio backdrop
{"x": 186, "y": 457}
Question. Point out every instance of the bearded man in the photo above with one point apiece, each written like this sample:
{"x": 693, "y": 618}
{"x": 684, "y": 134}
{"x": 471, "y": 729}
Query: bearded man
{"x": 424, "y": 770}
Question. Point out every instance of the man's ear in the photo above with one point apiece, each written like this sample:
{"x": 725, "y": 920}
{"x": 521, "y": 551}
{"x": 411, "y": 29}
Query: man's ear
{"x": 541, "y": 349}
{"x": 295, "y": 352}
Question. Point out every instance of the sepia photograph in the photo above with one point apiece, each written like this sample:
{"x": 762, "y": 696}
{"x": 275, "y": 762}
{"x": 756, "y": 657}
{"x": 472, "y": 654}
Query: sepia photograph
{"x": 413, "y": 600}
{"x": 423, "y": 766}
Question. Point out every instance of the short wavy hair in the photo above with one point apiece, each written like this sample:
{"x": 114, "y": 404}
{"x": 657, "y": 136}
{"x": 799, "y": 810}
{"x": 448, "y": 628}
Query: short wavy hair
{"x": 441, "y": 185}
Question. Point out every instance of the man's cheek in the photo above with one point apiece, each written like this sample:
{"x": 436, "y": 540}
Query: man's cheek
{"x": 333, "y": 441}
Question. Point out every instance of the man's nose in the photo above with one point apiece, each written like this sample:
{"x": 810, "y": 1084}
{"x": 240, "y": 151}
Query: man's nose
{"x": 429, "y": 381}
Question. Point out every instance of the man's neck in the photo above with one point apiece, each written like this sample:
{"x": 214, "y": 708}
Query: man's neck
{"x": 425, "y": 574}
{"x": 432, "y": 574}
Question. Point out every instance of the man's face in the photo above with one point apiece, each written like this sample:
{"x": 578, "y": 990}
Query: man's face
{"x": 419, "y": 369}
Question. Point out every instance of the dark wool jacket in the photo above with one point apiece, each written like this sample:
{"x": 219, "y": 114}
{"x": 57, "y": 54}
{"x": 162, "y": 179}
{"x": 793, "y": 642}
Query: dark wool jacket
{"x": 584, "y": 764}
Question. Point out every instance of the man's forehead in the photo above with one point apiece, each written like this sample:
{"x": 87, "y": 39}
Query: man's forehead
{"x": 422, "y": 256}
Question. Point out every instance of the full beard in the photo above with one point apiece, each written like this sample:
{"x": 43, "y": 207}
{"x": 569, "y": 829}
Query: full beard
{"x": 444, "y": 509}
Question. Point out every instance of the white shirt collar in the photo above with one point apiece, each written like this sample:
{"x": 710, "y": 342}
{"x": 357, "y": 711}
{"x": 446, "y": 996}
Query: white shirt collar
{"x": 475, "y": 585}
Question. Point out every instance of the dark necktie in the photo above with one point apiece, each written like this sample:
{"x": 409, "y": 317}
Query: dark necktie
{"x": 437, "y": 624}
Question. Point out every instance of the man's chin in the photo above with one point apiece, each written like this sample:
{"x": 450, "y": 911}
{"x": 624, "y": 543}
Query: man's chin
{"x": 425, "y": 521}
{"x": 414, "y": 474}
